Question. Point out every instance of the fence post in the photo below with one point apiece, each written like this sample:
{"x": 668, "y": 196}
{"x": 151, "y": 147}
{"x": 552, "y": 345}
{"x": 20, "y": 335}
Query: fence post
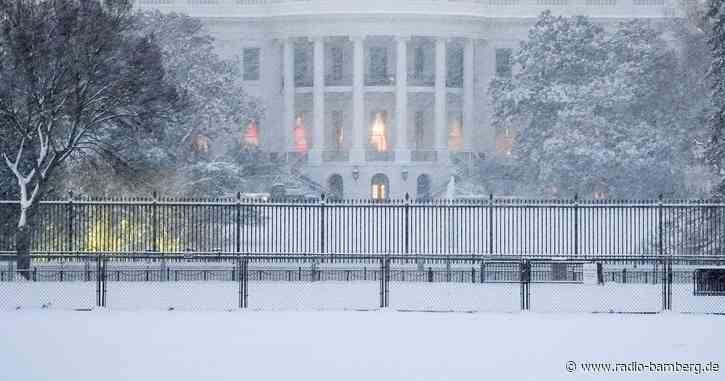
{"x": 322, "y": 224}
{"x": 406, "y": 214}
{"x": 490, "y": 223}
{"x": 387, "y": 282}
{"x": 660, "y": 240}
{"x": 154, "y": 224}
{"x": 576, "y": 224}
{"x": 382, "y": 283}
{"x": 238, "y": 222}
{"x": 69, "y": 233}
{"x": 98, "y": 281}
{"x": 624, "y": 275}
{"x": 104, "y": 281}
{"x": 669, "y": 284}
{"x": 525, "y": 271}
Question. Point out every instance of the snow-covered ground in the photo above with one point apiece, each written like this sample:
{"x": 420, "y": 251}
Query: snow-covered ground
{"x": 113, "y": 345}
{"x": 358, "y": 295}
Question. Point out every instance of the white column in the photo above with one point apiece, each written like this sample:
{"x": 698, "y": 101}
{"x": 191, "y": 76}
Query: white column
{"x": 288, "y": 120}
{"x": 487, "y": 134}
{"x": 441, "y": 115}
{"x": 468, "y": 120}
{"x": 359, "y": 132}
{"x": 318, "y": 100}
{"x": 402, "y": 153}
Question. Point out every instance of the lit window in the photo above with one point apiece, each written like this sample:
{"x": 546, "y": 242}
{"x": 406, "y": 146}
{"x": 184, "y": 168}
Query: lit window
{"x": 251, "y": 64}
{"x": 379, "y": 187}
{"x": 378, "y": 134}
{"x": 251, "y": 134}
{"x": 455, "y": 135}
{"x": 503, "y": 62}
{"x": 298, "y": 134}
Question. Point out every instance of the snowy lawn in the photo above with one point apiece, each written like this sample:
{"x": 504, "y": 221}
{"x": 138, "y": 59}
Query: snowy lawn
{"x": 113, "y": 345}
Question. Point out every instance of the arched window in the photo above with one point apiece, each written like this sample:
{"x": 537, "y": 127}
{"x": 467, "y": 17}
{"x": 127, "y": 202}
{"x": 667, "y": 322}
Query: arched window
{"x": 335, "y": 185}
{"x": 380, "y": 187}
{"x": 423, "y": 187}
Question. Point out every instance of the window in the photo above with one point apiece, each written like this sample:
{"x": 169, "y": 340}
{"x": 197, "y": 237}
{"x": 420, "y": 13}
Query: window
{"x": 298, "y": 133}
{"x": 419, "y": 129}
{"x": 336, "y": 57}
{"x": 250, "y": 135}
{"x": 337, "y": 130}
{"x": 454, "y": 71}
{"x": 423, "y": 187}
{"x": 380, "y": 187}
{"x": 378, "y": 64}
{"x": 503, "y": 62}
{"x": 418, "y": 61}
{"x": 303, "y": 73}
{"x": 251, "y": 64}
{"x": 378, "y": 131}
{"x": 335, "y": 185}
{"x": 455, "y": 134}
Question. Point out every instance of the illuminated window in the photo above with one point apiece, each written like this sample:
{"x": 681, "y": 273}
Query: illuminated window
{"x": 600, "y": 195}
{"x": 250, "y": 136}
{"x": 298, "y": 134}
{"x": 455, "y": 135}
{"x": 378, "y": 139}
{"x": 380, "y": 187}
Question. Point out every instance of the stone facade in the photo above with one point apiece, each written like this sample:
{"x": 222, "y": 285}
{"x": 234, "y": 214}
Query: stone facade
{"x": 376, "y": 97}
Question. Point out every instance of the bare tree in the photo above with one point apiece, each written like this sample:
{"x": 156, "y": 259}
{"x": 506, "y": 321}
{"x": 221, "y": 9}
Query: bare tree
{"x": 72, "y": 75}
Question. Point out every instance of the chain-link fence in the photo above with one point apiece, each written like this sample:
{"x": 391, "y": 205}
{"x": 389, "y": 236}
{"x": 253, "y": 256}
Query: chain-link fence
{"x": 365, "y": 282}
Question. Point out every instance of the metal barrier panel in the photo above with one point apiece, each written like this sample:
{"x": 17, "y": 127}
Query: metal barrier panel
{"x": 454, "y": 285}
{"x": 49, "y": 285}
{"x": 629, "y": 291}
{"x": 313, "y": 285}
{"x": 191, "y": 284}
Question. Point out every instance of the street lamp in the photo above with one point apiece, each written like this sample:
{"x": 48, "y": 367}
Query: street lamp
{"x": 356, "y": 173}
{"x": 404, "y": 174}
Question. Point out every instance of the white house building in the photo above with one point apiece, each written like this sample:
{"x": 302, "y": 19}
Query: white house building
{"x": 375, "y": 98}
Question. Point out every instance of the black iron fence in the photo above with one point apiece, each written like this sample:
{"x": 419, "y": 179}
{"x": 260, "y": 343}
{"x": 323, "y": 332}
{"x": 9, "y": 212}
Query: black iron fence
{"x": 486, "y": 227}
{"x": 403, "y": 282}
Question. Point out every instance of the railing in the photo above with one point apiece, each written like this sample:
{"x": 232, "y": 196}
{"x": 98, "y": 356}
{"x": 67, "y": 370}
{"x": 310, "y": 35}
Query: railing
{"x": 372, "y": 155}
{"x": 423, "y": 155}
{"x": 570, "y": 228}
{"x": 334, "y": 155}
{"x": 211, "y": 281}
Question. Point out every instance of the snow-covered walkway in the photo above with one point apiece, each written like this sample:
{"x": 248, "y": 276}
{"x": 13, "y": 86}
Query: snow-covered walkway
{"x": 380, "y": 345}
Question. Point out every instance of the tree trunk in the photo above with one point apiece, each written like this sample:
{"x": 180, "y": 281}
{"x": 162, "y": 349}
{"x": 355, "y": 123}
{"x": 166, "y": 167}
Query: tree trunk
{"x": 23, "y": 240}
